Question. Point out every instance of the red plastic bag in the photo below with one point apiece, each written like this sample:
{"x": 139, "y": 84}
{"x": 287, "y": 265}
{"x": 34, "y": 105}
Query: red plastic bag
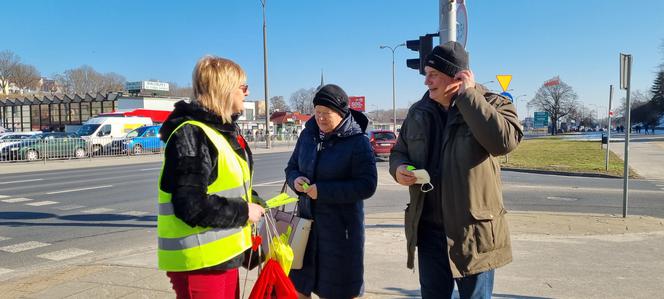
{"x": 273, "y": 283}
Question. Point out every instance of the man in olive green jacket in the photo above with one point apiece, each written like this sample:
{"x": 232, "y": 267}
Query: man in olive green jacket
{"x": 457, "y": 221}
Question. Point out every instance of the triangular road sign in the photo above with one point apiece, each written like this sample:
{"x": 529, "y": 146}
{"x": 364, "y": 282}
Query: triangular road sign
{"x": 504, "y": 81}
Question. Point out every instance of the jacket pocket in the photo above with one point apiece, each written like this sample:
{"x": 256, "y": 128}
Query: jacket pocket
{"x": 489, "y": 230}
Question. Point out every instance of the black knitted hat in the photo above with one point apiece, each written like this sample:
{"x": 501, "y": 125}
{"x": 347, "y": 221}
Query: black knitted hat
{"x": 450, "y": 58}
{"x": 333, "y": 97}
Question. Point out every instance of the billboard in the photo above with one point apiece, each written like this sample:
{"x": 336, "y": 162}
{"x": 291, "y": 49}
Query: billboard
{"x": 356, "y": 103}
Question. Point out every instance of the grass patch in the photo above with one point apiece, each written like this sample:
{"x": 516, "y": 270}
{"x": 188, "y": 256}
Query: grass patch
{"x": 558, "y": 154}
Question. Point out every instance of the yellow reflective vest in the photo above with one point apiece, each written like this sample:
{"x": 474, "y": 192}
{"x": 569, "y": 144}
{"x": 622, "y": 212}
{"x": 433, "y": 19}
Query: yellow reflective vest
{"x": 185, "y": 248}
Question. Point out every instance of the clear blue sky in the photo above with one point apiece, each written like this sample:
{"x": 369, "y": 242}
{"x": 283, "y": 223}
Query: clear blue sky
{"x": 578, "y": 40}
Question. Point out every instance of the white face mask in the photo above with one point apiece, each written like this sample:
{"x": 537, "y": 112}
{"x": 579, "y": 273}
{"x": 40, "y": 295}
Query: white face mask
{"x": 424, "y": 179}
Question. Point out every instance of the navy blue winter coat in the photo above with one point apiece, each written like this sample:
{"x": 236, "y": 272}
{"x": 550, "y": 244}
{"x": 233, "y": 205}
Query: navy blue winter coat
{"x": 343, "y": 167}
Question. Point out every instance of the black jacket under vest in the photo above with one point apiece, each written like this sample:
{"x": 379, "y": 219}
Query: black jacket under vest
{"x": 191, "y": 166}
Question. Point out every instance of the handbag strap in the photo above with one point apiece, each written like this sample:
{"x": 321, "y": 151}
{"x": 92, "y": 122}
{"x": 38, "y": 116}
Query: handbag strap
{"x": 284, "y": 189}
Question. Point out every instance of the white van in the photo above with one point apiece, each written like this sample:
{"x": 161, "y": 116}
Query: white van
{"x": 100, "y": 131}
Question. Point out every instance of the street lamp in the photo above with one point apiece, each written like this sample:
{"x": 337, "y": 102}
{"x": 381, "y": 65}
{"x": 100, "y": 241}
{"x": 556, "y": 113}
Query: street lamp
{"x": 267, "y": 116}
{"x": 516, "y": 103}
{"x": 394, "y": 99}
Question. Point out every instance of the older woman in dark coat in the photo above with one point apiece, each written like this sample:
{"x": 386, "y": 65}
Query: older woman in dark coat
{"x": 335, "y": 160}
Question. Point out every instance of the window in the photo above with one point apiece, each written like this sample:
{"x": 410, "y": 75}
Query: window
{"x": 105, "y": 130}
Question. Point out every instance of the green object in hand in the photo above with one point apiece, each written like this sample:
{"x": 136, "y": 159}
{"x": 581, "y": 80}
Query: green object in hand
{"x": 305, "y": 186}
{"x": 410, "y": 167}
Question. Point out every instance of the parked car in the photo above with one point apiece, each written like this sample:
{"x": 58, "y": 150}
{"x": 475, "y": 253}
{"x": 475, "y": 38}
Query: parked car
{"x": 11, "y": 138}
{"x": 139, "y": 141}
{"x": 382, "y": 142}
{"x": 45, "y": 146}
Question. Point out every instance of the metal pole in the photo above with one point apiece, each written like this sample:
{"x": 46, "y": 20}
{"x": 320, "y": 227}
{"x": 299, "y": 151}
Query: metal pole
{"x": 608, "y": 131}
{"x": 394, "y": 98}
{"x": 267, "y": 116}
{"x": 447, "y": 22}
{"x": 628, "y": 66}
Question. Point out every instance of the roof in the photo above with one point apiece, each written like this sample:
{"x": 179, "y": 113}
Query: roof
{"x": 281, "y": 117}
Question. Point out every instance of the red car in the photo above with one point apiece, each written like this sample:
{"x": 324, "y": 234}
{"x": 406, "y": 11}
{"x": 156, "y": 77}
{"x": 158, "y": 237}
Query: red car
{"x": 382, "y": 142}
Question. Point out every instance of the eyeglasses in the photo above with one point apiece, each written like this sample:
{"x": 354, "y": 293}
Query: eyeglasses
{"x": 244, "y": 87}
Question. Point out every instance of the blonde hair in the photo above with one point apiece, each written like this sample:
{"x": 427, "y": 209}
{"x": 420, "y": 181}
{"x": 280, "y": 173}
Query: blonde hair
{"x": 214, "y": 79}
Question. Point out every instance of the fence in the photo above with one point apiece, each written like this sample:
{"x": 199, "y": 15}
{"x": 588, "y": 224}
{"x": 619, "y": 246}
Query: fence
{"x": 14, "y": 150}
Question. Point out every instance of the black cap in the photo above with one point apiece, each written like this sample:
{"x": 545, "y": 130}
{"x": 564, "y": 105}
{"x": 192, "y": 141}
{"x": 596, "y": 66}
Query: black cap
{"x": 449, "y": 58}
{"x": 333, "y": 97}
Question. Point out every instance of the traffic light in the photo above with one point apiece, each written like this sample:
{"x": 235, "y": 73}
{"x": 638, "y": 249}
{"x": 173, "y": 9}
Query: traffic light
{"x": 423, "y": 46}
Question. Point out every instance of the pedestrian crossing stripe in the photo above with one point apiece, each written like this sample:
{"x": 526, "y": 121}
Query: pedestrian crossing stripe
{"x": 23, "y": 246}
{"x": 134, "y": 213}
{"x": 42, "y": 203}
{"x": 15, "y": 200}
{"x": 3, "y": 196}
{"x": 98, "y": 211}
{"x": 64, "y": 254}
{"x": 5, "y": 271}
{"x": 69, "y": 207}
{"x": 4, "y": 238}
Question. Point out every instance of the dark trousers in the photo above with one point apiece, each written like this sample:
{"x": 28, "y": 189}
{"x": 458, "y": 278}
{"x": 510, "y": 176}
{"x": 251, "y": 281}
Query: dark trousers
{"x": 436, "y": 279}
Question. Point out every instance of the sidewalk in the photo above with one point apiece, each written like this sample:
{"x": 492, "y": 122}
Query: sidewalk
{"x": 646, "y": 155}
{"x": 556, "y": 255}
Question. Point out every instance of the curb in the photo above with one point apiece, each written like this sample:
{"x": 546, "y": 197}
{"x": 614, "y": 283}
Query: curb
{"x": 554, "y": 172}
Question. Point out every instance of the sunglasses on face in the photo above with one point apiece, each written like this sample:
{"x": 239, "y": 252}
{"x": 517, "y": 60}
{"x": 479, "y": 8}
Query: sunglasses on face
{"x": 244, "y": 87}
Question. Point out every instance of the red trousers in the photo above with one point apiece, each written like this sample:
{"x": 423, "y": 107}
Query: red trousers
{"x": 206, "y": 284}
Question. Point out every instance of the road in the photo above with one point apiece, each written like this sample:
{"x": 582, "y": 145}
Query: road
{"x": 51, "y": 218}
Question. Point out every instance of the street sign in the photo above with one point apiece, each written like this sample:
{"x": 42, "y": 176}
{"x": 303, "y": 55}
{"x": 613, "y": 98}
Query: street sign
{"x": 508, "y": 95}
{"x": 541, "y": 120}
{"x": 504, "y": 81}
{"x": 625, "y": 70}
{"x": 462, "y": 23}
{"x": 356, "y": 103}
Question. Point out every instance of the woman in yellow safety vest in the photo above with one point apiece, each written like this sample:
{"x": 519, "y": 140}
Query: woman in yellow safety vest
{"x": 205, "y": 193}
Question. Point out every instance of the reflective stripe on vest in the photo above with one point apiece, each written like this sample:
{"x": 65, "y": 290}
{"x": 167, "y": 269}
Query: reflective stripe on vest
{"x": 185, "y": 248}
{"x": 166, "y": 208}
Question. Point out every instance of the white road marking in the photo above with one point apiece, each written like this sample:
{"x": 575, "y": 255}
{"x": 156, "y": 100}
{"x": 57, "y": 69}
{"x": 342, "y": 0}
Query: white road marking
{"x": 41, "y": 203}
{"x": 5, "y": 271}
{"x": 150, "y": 169}
{"x": 64, "y": 254}
{"x": 18, "y": 199}
{"x": 135, "y": 213}
{"x": 69, "y": 207}
{"x": 4, "y": 196}
{"x": 273, "y": 183}
{"x": 97, "y": 211}
{"x": 23, "y": 246}
{"x": 80, "y": 189}
{"x": 4, "y": 238}
{"x": 21, "y": 181}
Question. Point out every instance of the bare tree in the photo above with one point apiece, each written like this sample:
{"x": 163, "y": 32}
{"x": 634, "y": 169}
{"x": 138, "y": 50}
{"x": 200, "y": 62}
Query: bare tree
{"x": 8, "y": 63}
{"x": 175, "y": 90}
{"x": 558, "y": 100}
{"x": 302, "y": 100}
{"x": 26, "y": 76}
{"x": 86, "y": 80}
{"x": 278, "y": 104}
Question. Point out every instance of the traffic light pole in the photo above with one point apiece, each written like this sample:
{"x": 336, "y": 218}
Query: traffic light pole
{"x": 447, "y": 21}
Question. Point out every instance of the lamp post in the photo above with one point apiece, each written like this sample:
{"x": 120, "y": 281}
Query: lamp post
{"x": 516, "y": 102}
{"x": 394, "y": 99}
{"x": 267, "y": 116}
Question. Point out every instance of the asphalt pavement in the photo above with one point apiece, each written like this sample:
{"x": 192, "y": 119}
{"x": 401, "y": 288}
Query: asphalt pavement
{"x": 556, "y": 255}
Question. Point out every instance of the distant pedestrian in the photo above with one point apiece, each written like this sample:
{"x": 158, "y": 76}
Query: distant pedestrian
{"x": 205, "y": 192}
{"x": 336, "y": 161}
{"x": 457, "y": 219}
